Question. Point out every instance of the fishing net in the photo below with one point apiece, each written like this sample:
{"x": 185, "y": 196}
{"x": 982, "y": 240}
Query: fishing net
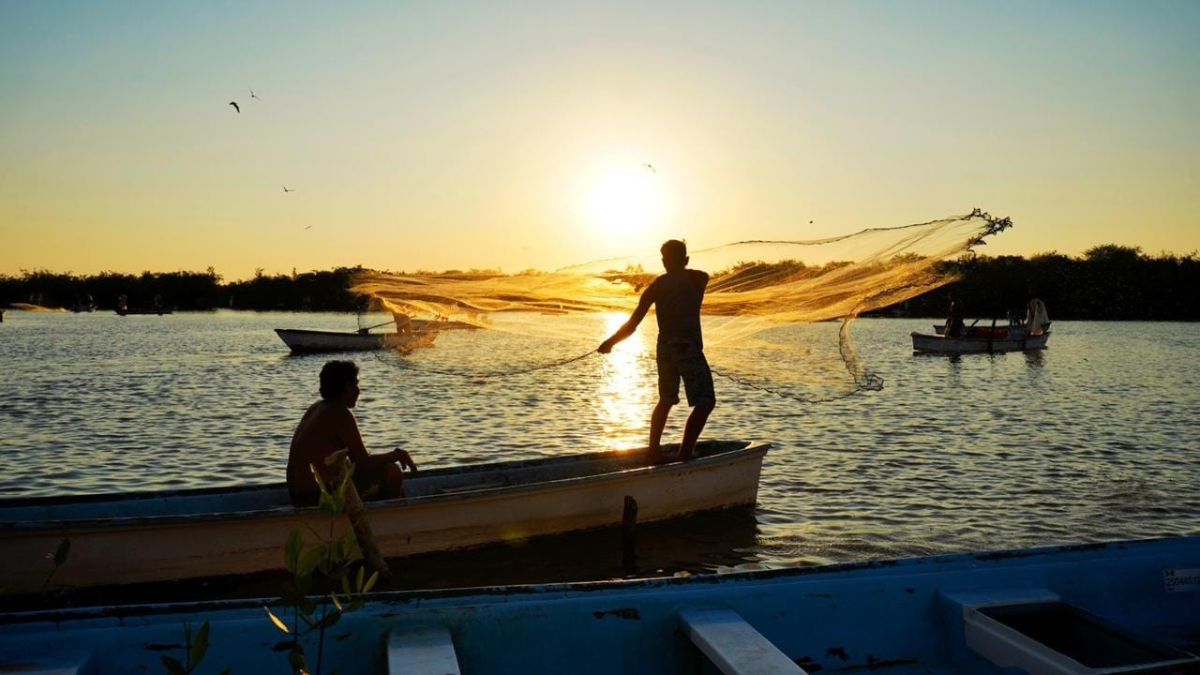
{"x": 776, "y": 314}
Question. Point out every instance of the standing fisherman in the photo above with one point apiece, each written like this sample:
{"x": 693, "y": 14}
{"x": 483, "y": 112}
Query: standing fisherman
{"x": 676, "y": 296}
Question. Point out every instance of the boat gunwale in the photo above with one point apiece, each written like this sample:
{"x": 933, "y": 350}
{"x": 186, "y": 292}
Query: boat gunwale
{"x": 749, "y": 451}
{"x": 962, "y": 561}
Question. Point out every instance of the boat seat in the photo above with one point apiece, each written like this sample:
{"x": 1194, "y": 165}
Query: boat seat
{"x": 734, "y": 646}
{"x": 427, "y": 651}
{"x": 1041, "y": 634}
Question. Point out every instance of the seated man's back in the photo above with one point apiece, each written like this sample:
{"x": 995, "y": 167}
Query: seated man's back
{"x": 317, "y": 436}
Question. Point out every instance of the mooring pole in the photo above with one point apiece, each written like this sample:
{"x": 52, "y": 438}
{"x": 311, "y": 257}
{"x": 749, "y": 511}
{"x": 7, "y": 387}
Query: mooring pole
{"x": 628, "y": 525}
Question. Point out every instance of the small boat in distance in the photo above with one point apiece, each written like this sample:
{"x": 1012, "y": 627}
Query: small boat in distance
{"x": 974, "y": 339}
{"x": 186, "y": 534}
{"x": 940, "y": 329}
{"x": 997, "y": 342}
{"x": 1099, "y": 609}
{"x": 158, "y": 308}
{"x": 159, "y": 311}
{"x": 317, "y": 341}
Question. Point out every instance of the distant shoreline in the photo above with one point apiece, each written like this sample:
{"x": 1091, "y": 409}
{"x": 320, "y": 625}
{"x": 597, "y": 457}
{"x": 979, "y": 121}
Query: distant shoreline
{"x": 1107, "y": 283}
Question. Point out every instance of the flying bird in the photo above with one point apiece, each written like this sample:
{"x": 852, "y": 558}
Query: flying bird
{"x": 288, "y": 189}
{"x": 235, "y": 106}
{"x": 650, "y": 167}
{"x": 309, "y": 227}
{"x": 254, "y": 95}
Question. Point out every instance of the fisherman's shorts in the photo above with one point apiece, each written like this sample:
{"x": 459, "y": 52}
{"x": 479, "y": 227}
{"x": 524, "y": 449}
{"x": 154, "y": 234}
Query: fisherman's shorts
{"x": 684, "y": 360}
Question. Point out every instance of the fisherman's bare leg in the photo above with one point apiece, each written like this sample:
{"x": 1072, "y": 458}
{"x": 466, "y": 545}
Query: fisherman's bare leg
{"x": 658, "y": 421}
{"x": 691, "y": 431}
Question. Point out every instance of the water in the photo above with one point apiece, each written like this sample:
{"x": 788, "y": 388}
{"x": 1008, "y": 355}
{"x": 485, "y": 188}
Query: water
{"x": 1094, "y": 439}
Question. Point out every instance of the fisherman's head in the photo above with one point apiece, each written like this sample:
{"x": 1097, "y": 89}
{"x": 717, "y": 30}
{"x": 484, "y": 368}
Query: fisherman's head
{"x": 674, "y": 255}
{"x": 339, "y": 382}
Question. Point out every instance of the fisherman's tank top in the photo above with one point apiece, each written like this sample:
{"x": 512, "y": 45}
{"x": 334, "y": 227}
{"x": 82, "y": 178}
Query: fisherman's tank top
{"x": 677, "y": 307}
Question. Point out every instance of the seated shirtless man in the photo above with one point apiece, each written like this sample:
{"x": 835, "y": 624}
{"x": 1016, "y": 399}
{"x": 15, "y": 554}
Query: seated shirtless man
{"x": 329, "y": 426}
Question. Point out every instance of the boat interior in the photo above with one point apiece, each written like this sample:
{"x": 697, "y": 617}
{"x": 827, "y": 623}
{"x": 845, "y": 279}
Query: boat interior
{"x": 1099, "y": 610}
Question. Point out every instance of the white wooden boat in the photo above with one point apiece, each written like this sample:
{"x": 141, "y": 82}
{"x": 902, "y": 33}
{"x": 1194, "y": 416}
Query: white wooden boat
{"x": 165, "y": 536}
{"x": 311, "y": 341}
{"x": 989, "y": 343}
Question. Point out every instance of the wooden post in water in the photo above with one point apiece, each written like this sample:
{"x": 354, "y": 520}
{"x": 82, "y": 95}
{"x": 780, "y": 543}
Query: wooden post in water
{"x": 362, "y": 529}
{"x": 628, "y": 524}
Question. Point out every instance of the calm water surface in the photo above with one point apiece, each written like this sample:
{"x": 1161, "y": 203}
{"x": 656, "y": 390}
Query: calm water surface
{"x": 1093, "y": 439}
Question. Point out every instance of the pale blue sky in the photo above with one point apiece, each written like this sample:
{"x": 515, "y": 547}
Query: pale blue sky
{"x": 434, "y": 135}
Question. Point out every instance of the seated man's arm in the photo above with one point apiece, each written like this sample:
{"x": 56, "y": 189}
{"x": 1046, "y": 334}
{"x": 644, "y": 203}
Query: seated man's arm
{"x": 349, "y": 435}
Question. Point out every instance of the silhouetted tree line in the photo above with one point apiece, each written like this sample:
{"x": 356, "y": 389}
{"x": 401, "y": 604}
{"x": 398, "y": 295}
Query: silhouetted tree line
{"x": 1106, "y": 282}
{"x": 314, "y": 291}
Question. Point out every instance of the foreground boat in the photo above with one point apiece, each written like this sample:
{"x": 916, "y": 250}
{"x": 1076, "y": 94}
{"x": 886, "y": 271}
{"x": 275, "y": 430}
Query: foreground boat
{"x": 995, "y": 341}
{"x": 314, "y": 341}
{"x": 166, "y": 536}
{"x": 1098, "y": 608}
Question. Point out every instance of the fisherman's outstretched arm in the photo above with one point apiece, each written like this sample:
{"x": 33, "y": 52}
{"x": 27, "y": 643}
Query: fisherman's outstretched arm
{"x": 629, "y": 326}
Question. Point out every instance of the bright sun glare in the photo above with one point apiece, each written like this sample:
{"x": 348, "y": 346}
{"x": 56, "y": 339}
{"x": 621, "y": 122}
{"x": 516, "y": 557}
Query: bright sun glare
{"x": 626, "y": 201}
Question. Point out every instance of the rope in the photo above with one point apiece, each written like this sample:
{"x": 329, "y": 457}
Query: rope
{"x": 858, "y": 387}
{"x": 496, "y": 373}
{"x": 862, "y": 381}
{"x": 873, "y": 383}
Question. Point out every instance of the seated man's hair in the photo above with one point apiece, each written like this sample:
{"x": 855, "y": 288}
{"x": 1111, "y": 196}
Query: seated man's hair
{"x": 335, "y": 376}
{"x": 674, "y": 249}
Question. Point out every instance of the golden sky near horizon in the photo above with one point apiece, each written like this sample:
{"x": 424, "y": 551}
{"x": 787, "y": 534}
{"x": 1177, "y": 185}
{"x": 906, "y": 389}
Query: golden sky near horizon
{"x": 422, "y": 136}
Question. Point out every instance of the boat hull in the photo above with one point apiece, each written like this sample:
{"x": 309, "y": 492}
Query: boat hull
{"x": 899, "y": 617}
{"x": 146, "y": 539}
{"x": 317, "y": 341}
{"x": 938, "y": 344}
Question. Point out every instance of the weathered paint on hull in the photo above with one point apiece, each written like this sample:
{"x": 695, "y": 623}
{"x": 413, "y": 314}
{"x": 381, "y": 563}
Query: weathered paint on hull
{"x": 937, "y": 344}
{"x": 104, "y": 553}
{"x": 895, "y": 617}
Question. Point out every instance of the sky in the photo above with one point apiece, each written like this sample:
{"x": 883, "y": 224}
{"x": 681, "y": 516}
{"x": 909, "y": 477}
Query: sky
{"x": 431, "y": 135}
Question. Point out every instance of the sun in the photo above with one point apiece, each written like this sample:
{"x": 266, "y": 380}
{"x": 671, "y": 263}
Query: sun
{"x": 627, "y": 201}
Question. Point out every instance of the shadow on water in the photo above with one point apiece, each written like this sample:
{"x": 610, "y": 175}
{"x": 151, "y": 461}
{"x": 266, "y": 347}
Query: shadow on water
{"x": 697, "y": 544}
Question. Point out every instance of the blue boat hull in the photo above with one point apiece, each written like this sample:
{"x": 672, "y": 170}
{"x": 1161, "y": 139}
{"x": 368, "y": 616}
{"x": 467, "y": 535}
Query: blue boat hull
{"x": 902, "y": 617}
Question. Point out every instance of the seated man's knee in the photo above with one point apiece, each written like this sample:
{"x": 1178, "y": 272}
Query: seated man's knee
{"x": 394, "y": 482}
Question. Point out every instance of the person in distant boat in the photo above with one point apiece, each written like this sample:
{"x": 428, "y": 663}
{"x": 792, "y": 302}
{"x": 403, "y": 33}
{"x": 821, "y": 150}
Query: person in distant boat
{"x": 328, "y": 426}
{"x": 954, "y": 319}
{"x": 1036, "y": 318}
{"x": 677, "y": 296}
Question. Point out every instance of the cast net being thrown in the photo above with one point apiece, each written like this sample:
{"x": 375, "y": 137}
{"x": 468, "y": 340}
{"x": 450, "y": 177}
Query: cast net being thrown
{"x": 763, "y": 312}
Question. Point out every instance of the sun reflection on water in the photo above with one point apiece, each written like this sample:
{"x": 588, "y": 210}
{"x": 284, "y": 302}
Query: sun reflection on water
{"x": 626, "y": 388}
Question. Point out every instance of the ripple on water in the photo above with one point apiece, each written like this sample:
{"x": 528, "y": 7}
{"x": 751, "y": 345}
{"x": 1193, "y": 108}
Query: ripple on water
{"x": 1092, "y": 440}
